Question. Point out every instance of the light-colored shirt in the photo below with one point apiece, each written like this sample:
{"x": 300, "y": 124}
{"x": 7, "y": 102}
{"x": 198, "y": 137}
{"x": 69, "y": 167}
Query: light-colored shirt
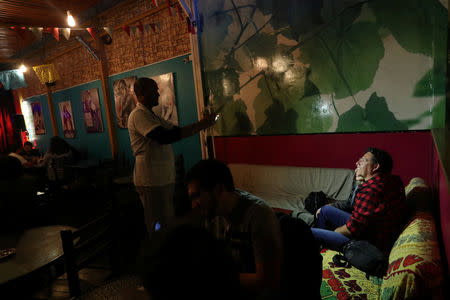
{"x": 155, "y": 163}
{"x": 19, "y": 157}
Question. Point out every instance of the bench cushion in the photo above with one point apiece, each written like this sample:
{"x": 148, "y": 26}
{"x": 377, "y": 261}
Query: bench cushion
{"x": 345, "y": 283}
{"x": 287, "y": 187}
{"x": 415, "y": 268}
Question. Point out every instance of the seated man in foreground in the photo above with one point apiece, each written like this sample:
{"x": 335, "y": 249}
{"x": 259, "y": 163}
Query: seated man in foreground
{"x": 212, "y": 192}
{"x": 379, "y": 209}
{"x": 30, "y": 154}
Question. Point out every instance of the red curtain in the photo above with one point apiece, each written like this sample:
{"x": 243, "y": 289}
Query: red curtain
{"x": 7, "y": 113}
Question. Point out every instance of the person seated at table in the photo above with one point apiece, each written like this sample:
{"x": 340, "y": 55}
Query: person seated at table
{"x": 188, "y": 262}
{"x": 30, "y": 154}
{"x": 16, "y": 153}
{"x": 17, "y": 190}
{"x": 59, "y": 154}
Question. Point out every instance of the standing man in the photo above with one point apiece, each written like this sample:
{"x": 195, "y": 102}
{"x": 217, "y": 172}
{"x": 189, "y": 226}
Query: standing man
{"x": 379, "y": 208}
{"x": 151, "y": 138}
{"x": 246, "y": 218}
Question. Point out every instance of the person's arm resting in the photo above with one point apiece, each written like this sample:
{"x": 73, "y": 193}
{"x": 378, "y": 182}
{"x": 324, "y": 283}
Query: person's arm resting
{"x": 344, "y": 231}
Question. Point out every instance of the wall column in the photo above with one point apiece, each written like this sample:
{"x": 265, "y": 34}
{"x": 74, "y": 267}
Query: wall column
{"x": 52, "y": 110}
{"x": 107, "y": 97}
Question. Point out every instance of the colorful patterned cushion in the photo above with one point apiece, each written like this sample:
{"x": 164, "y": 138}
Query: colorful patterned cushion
{"x": 415, "y": 268}
{"x": 345, "y": 283}
{"x": 418, "y": 196}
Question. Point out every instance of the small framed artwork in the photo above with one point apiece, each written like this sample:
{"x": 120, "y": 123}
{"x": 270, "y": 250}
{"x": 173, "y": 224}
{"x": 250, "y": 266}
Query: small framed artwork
{"x": 38, "y": 118}
{"x": 167, "y": 108}
{"x": 91, "y": 111}
{"x": 124, "y": 99}
{"x": 65, "y": 109}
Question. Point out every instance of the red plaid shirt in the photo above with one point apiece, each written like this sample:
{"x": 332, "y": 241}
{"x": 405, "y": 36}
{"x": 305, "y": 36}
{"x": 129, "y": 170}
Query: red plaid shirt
{"x": 379, "y": 211}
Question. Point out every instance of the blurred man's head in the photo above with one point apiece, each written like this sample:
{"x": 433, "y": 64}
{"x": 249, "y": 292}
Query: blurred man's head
{"x": 146, "y": 91}
{"x": 207, "y": 182}
{"x": 27, "y": 147}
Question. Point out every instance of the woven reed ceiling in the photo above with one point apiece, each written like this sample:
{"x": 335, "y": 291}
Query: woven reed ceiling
{"x": 33, "y": 13}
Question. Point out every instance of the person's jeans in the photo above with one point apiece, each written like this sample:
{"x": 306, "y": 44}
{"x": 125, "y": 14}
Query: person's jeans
{"x": 328, "y": 220}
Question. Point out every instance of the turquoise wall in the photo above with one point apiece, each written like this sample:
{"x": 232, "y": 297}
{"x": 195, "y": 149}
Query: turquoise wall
{"x": 97, "y": 145}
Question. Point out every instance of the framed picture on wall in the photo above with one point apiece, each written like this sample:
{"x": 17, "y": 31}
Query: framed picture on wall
{"x": 38, "y": 118}
{"x": 124, "y": 99}
{"x": 167, "y": 108}
{"x": 65, "y": 110}
{"x": 91, "y": 111}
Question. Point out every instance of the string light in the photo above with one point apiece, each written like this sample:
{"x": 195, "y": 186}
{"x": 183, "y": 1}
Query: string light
{"x": 70, "y": 19}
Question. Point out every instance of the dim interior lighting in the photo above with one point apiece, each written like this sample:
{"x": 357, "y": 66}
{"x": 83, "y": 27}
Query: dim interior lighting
{"x": 70, "y": 19}
{"x": 289, "y": 76}
{"x": 261, "y": 63}
{"x": 279, "y": 65}
{"x": 22, "y": 68}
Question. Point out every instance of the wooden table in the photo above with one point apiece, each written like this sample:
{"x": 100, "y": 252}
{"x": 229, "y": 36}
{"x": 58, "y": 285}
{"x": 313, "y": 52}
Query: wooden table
{"x": 36, "y": 248}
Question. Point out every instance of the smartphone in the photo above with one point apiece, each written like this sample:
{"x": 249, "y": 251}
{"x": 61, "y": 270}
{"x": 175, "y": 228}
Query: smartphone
{"x": 217, "y": 117}
{"x": 157, "y": 226}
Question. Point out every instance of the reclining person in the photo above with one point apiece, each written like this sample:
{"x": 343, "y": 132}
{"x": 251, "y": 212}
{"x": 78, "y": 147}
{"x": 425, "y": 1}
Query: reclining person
{"x": 378, "y": 213}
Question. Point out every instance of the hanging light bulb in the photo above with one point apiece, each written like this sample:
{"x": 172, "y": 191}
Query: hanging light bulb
{"x": 70, "y": 19}
{"x": 22, "y": 68}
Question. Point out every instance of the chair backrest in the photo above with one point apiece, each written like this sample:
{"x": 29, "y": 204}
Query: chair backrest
{"x": 302, "y": 265}
{"x": 84, "y": 245}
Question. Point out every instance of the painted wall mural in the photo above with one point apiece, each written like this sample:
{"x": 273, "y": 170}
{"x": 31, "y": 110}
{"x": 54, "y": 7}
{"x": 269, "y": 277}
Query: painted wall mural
{"x": 167, "y": 107}
{"x": 91, "y": 111}
{"x": 313, "y": 66}
{"x": 65, "y": 110}
{"x": 38, "y": 118}
{"x": 124, "y": 99}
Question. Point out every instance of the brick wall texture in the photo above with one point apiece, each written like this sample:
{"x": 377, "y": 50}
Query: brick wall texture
{"x": 76, "y": 66}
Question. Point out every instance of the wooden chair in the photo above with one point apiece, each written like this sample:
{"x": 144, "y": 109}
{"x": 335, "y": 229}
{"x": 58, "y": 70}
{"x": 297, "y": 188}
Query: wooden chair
{"x": 86, "y": 244}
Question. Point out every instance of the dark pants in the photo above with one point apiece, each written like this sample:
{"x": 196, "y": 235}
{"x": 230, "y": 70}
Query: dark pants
{"x": 328, "y": 220}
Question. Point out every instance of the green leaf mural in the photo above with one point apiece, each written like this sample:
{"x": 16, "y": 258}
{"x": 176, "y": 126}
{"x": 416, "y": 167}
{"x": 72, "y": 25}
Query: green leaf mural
{"x": 375, "y": 117}
{"x": 314, "y": 115}
{"x": 338, "y": 55}
{"x": 233, "y": 119}
{"x": 348, "y": 10}
{"x": 215, "y": 32}
{"x": 354, "y": 119}
{"x": 411, "y": 22}
{"x": 427, "y": 87}
{"x": 271, "y": 65}
{"x": 439, "y": 114}
{"x": 279, "y": 120}
{"x": 223, "y": 83}
{"x": 297, "y": 16}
